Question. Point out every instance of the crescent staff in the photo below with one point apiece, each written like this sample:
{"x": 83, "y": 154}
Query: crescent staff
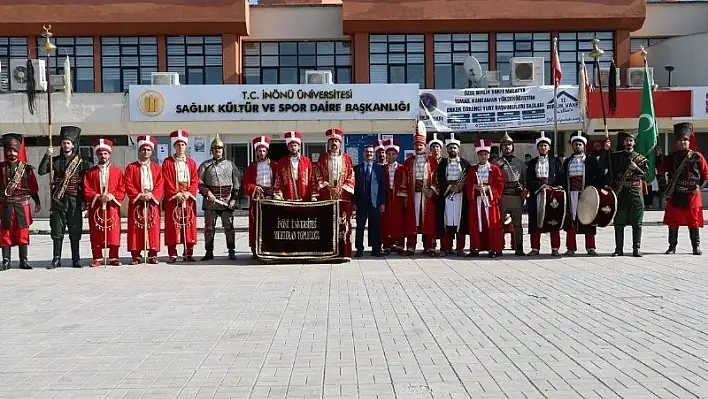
{"x": 145, "y": 232}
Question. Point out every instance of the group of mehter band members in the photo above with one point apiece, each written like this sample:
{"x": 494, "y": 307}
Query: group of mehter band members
{"x": 428, "y": 195}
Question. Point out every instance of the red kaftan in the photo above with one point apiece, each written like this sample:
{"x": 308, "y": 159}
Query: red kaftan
{"x": 393, "y": 218}
{"x": 692, "y": 216}
{"x": 175, "y": 211}
{"x": 136, "y": 208}
{"x": 324, "y": 179}
{"x": 250, "y": 183}
{"x": 428, "y": 219}
{"x": 491, "y": 236}
{"x": 288, "y": 190}
{"x": 15, "y": 210}
{"x": 110, "y": 217}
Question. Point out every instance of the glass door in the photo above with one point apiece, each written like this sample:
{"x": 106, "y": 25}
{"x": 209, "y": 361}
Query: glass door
{"x": 314, "y": 150}
{"x": 239, "y": 154}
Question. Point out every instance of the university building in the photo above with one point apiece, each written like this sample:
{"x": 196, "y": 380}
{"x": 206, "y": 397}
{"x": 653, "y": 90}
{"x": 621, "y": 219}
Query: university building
{"x": 263, "y": 53}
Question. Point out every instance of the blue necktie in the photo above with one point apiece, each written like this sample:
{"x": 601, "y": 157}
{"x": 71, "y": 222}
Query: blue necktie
{"x": 368, "y": 169}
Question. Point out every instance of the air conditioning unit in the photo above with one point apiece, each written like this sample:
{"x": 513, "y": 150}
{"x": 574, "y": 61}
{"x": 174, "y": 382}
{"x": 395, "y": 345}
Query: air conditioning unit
{"x": 18, "y": 75}
{"x": 635, "y": 77}
{"x": 493, "y": 78}
{"x": 164, "y": 79}
{"x": 605, "y": 77}
{"x": 318, "y": 77}
{"x": 527, "y": 71}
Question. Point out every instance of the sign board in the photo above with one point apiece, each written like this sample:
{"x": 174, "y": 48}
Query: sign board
{"x": 203, "y": 103}
{"x": 700, "y": 103}
{"x": 497, "y": 108}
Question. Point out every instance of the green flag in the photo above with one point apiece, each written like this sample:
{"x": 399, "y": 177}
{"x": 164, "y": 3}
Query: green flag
{"x": 648, "y": 132}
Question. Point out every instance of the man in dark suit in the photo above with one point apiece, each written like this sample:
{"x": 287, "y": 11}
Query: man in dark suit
{"x": 369, "y": 202}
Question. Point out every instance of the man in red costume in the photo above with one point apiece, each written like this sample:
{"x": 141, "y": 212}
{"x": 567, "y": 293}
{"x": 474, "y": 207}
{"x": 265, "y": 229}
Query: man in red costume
{"x": 104, "y": 190}
{"x": 688, "y": 172}
{"x": 144, "y": 187}
{"x": 380, "y": 149}
{"x": 485, "y": 186}
{"x": 179, "y": 173}
{"x": 420, "y": 188}
{"x": 294, "y": 173}
{"x": 258, "y": 182}
{"x": 18, "y": 184}
{"x": 392, "y": 218}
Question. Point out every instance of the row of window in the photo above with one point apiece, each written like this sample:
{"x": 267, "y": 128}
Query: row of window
{"x": 392, "y": 58}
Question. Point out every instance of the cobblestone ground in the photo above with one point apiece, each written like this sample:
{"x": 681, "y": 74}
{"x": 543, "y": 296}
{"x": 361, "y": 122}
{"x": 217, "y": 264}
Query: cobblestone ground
{"x": 374, "y": 328}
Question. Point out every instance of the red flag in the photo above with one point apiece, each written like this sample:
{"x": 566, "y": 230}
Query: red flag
{"x": 557, "y": 73}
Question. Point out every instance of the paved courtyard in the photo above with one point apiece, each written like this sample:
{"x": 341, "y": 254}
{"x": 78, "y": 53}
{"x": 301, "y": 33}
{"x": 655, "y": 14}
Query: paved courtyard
{"x": 373, "y": 328}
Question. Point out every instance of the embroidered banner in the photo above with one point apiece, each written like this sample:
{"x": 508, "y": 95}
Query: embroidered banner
{"x": 302, "y": 231}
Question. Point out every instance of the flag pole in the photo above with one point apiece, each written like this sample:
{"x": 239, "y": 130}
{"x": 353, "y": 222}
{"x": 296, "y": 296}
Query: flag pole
{"x": 48, "y": 48}
{"x": 555, "y": 97}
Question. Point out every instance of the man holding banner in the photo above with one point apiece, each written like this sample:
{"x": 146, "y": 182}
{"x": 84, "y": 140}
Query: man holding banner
{"x": 258, "y": 182}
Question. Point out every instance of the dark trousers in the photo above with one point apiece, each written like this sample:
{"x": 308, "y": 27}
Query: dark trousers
{"x": 363, "y": 213}
{"x": 227, "y": 221}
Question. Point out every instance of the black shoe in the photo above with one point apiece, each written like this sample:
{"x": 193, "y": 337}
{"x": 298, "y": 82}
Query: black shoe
{"x": 77, "y": 264}
{"x": 25, "y": 266}
{"x": 671, "y": 250}
{"x": 208, "y": 256}
{"x": 697, "y": 251}
{"x": 5, "y": 265}
{"x": 232, "y": 254}
{"x": 377, "y": 254}
{"x": 618, "y": 253}
{"x": 56, "y": 262}
{"x": 636, "y": 253}
{"x": 519, "y": 253}
{"x": 359, "y": 253}
{"x": 473, "y": 254}
{"x": 492, "y": 255}
{"x": 171, "y": 260}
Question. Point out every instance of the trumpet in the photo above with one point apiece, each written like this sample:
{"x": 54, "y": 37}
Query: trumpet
{"x": 457, "y": 187}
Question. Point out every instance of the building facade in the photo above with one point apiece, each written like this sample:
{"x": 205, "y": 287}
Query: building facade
{"x": 112, "y": 46}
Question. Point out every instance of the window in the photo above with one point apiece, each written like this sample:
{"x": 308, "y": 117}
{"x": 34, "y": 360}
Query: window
{"x": 451, "y": 50}
{"x": 80, "y": 52}
{"x": 511, "y": 45}
{"x": 397, "y": 59}
{"x": 10, "y": 47}
{"x": 572, "y": 46}
{"x": 635, "y": 44}
{"x": 127, "y": 61}
{"x": 286, "y": 62}
{"x": 197, "y": 59}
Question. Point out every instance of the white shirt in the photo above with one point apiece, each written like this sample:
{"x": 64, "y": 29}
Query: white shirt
{"x": 263, "y": 173}
{"x": 146, "y": 176}
{"x": 576, "y": 166}
{"x": 420, "y": 161}
{"x": 182, "y": 170}
{"x": 335, "y": 165}
{"x": 542, "y": 167}
{"x": 483, "y": 173}
{"x": 392, "y": 174}
{"x": 105, "y": 174}
{"x": 454, "y": 169}
{"x": 294, "y": 163}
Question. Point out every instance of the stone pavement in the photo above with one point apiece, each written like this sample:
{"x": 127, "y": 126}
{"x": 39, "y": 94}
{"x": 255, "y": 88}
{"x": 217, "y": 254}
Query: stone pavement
{"x": 374, "y": 328}
{"x": 41, "y": 226}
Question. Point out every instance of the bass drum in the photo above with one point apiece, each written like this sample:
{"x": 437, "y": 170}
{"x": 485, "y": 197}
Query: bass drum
{"x": 552, "y": 204}
{"x": 597, "y": 207}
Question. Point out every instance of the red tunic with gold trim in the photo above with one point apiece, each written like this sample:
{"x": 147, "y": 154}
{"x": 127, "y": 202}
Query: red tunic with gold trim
{"x": 393, "y": 218}
{"x": 15, "y": 206}
{"x": 685, "y": 205}
{"x": 259, "y": 174}
{"x": 183, "y": 181}
{"x": 97, "y": 218}
{"x": 418, "y": 182}
{"x": 483, "y": 217}
{"x": 334, "y": 174}
{"x": 138, "y": 181}
{"x": 288, "y": 186}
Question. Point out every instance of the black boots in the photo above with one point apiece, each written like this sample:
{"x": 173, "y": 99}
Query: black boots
{"x": 695, "y": 236}
{"x": 5, "y": 259}
{"x": 24, "y": 264}
{"x": 636, "y": 241}
{"x": 519, "y": 241}
{"x": 75, "y": 254}
{"x": 56, "y": 254}
{"x": 673, "y": 241}
{"x": 208, "y": 256}
{"x": 619, "y": 241}
{"x": 232, "y": 254}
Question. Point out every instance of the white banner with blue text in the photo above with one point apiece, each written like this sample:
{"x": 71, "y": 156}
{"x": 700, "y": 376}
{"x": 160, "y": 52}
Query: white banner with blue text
{"x": 497, "y": 108}
{"x": 197, "y": 103}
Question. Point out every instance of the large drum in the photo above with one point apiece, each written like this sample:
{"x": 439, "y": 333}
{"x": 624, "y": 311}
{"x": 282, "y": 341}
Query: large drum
{"x": 597, "y": 207}
{"x": 552, "y": 204}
